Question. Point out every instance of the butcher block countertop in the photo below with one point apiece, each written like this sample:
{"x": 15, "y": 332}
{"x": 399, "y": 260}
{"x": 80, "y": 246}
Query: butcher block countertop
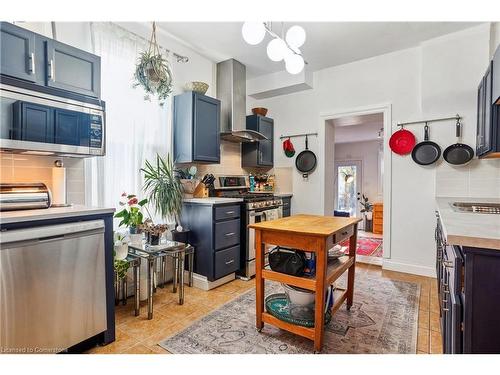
{"x": 313, "y": 225}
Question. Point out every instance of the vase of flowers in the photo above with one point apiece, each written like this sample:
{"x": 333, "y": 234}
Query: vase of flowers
{"x": 154, "y": 233}
{"x": 131, "y": 215}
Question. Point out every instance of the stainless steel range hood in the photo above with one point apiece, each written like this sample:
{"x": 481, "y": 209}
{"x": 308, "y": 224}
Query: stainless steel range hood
{"x": 231, "y": 91}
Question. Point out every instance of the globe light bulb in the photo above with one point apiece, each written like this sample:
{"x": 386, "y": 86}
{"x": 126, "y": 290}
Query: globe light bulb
{"x": 295, "y": 36}
{"x": 253, "y": 32}
{"x": 294, "y": 63}
{"x": 276, "y": 49}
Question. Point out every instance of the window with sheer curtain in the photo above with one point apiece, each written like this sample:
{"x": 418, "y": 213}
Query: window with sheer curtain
{"x": 136, "y": 129}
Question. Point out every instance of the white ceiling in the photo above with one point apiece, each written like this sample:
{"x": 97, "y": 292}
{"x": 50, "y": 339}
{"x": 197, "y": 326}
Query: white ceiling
{"x": 327, "y": 44}
{"x": 358, "y": 128}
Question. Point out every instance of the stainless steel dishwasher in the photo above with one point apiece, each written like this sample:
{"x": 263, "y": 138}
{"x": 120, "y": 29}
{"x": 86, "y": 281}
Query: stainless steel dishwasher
{"x": 52, "y": 286}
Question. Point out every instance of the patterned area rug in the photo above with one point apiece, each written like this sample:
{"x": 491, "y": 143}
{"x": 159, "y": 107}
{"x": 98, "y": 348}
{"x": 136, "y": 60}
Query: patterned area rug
{"x": 383, "y": 319}
{"x": 367, "y": 246}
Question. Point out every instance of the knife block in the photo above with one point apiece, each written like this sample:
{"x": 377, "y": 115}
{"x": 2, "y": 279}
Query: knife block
{"x": 201, "y": 191}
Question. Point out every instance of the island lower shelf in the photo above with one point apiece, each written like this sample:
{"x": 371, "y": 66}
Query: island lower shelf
{"x": 335, "y": 268}
{"x": 339, "y": 297}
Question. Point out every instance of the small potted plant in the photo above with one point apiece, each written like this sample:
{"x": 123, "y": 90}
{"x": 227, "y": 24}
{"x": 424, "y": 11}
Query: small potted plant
{"x": 163, "y": 188}
{"x": 367, "y": 211}
{"x": 121, "y": 246}
{"x": 131, "y": 216}
{"x": 154, "y": 232}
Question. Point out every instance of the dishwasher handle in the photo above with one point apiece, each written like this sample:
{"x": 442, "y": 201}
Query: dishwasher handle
{"x": 50, "y": 232}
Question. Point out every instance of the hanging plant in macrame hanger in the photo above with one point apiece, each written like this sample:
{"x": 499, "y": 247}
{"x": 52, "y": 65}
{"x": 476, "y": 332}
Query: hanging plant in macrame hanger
{"x": 152, "y": 72}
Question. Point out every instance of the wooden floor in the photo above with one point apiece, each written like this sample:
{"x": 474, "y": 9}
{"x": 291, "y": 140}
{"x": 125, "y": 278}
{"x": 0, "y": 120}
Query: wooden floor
{"x": 137, "y": 335}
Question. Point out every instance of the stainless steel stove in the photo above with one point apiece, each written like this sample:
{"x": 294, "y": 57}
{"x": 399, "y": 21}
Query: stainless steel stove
{"x": 256, "y": 207}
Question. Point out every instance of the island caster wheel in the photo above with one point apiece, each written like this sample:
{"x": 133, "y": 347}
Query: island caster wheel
{"x": 348, "y": 307}
{"x": 259, "y": 330}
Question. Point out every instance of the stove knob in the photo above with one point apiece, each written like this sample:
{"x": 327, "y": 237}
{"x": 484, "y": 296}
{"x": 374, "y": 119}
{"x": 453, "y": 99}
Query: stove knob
{"x": 268, "y": 203}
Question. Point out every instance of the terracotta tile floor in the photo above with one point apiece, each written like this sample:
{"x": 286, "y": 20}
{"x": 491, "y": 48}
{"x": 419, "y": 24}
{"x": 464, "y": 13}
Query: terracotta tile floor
{"x": 137, "y": 335}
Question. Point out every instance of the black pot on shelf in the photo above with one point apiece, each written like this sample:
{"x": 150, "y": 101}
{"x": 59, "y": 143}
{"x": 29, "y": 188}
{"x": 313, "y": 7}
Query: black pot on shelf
{"x": 180, "y": 236}
{"x": 153, "y": 239}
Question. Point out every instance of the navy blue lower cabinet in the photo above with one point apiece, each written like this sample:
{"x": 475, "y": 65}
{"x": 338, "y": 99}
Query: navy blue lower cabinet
{"x": 469, "y": 298}
{"x": 481, "y": 320}
{"x": 287, "y": 204}
{"x": 215, "y": 234}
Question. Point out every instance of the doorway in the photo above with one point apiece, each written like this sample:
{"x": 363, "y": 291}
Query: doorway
{"x": 356, "y": 159}
{"x": 348, "y": 182}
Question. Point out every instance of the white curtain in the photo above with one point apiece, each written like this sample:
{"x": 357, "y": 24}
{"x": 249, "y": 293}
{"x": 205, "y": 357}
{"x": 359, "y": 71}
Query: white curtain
{"x": 136, "y": 129}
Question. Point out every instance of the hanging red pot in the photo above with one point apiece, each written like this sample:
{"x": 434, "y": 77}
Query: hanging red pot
{"x": 402, "y": 142}
{"x": 288, "y": 148}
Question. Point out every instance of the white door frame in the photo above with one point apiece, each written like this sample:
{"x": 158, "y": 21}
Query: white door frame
{"x": 324, "y": 143}
{"x": 359, "y": 182}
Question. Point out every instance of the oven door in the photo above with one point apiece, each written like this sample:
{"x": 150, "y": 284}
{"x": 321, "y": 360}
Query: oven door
{"x": 258, "y": 216}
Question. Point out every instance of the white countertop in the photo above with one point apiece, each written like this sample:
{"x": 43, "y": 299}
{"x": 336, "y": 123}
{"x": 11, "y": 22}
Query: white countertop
{"x": 7, "y": 217}
{"x": 469, "y": 229}
{"x": 213, "y": 200}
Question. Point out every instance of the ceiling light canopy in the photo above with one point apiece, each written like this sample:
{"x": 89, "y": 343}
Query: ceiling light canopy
{"x": 278, "y": 48}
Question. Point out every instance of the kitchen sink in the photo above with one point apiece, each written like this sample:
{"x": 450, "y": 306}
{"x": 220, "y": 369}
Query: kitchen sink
{"x": 478, "y": 208}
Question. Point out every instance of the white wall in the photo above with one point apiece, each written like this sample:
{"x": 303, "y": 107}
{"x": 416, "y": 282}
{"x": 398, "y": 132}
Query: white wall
{"x": 439, "y": 77}
{"x": 368, "y": 153}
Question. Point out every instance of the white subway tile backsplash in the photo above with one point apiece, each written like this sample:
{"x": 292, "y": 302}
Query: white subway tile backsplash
{"x": 452, "y": 187}
{"x": 29, "y": 168}
{"x": 478, "y": 179}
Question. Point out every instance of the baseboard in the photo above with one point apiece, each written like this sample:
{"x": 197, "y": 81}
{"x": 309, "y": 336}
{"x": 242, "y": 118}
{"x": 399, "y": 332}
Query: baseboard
{"x": 201, "y": 282}
{"x": 369, "y": 260}
{"x": 414, "y": 269}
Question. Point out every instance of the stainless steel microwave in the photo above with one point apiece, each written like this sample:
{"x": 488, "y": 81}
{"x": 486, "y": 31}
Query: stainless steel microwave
{"x": 33, "y": 122}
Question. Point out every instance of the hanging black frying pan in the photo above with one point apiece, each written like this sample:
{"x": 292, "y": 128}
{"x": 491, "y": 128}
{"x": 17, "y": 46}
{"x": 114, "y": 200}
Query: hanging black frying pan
{"x": 305, "y": 161}
{"x": 426, "y": 152}
{"x": 458, "y": 153}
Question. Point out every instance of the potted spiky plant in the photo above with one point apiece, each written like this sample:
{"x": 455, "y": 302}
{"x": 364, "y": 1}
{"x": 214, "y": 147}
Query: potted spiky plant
{"x": 163, "y": 188}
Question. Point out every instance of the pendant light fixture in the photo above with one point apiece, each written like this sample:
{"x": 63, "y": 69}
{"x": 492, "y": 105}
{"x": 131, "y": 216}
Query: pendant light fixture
{"x": 279, "y": 48}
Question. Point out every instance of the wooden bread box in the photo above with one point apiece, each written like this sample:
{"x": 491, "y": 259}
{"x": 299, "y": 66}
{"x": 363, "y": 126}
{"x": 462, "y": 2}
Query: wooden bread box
{"x": 378, "y": 218}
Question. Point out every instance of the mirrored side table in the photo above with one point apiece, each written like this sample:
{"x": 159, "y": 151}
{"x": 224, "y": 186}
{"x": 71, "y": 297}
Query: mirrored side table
{"x": 135, "y": 262}
{"x": 152, "y": 253}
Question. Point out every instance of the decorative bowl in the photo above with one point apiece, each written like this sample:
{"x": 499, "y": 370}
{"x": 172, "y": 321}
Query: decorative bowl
{"x": 298, "y": 296}
{"x": 259, "y": 111}
{"x": 197, "y": 86}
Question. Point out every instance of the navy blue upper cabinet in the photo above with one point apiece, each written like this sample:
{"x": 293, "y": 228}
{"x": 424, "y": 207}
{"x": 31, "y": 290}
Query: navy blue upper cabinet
{"x": 35, "y": 62}
{"x": 488, "y": 118}
{"x": 259, "y": 154}
{"x": 32, "y": 122}
{"x": 496, "y": 78}
{"x": 196, "y": 128}
{"x": 71, "y": 69}
{"x": 17, "y": 52}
